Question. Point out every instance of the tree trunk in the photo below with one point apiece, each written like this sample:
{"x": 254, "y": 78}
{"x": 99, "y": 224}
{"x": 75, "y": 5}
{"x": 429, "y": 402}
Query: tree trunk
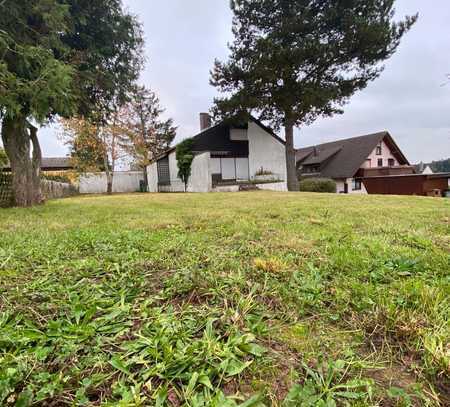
{"x": 145, "y": 179}
{"x": 36, "y": 164}
{"x": 109, "y": 181}
{"x": 109, "y": 189}
{"x": 17, "y": 134}
{"x": 291, "y": 168}
{"x": 109, "y": 173}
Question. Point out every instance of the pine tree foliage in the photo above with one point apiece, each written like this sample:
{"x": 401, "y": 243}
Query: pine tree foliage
{"x": 146, "y": 134}
{"x": 60, "y": 58}
{"x": 293, "y": 61}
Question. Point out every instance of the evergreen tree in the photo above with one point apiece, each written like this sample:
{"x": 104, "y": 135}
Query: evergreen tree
{"x": 184, "y": 156}
{"x": 60, "y": 58}
{"x": 146, "y": 134}
{"x": 295, "y": 60}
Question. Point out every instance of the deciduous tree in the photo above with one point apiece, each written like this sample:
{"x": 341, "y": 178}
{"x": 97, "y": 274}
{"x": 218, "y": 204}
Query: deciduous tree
{"x": 85, "y": 146}
{"x": 295, "y": 60}
{"x": 95, "y": 147}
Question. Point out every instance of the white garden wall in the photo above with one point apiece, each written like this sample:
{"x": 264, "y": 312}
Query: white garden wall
{"x": 123, "y": 182}
{"x": 200, "y": 180}
{"x": 57, "y": 190}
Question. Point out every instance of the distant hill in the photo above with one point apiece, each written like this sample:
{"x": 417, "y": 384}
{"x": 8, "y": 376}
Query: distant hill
{"x": 436, "y": 166}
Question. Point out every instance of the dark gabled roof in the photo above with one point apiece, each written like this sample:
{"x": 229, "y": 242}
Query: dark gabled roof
{"x": 53, "y": 163}
{"x": 217, "y": 139}
{"x": 343, "y": 158}
{"x": 320, "y": 156}
{"x": 56, "y": 162}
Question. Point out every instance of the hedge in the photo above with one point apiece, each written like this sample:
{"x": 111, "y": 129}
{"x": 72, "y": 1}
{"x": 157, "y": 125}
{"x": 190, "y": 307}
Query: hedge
{"x": 318, "y": 185}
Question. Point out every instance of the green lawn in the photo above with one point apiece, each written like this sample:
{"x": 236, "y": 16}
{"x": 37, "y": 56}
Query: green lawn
{"x": 251, "y": 299}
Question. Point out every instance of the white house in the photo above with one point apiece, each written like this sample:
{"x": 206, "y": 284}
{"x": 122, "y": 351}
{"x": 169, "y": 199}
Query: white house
{"x": 227, "y": 156}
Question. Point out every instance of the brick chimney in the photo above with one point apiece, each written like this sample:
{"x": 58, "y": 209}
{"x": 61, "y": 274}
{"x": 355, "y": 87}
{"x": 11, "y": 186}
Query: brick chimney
{"x": 205, "y": 121}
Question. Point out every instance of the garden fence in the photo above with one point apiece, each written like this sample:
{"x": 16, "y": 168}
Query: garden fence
{"x": 5, "y": 189}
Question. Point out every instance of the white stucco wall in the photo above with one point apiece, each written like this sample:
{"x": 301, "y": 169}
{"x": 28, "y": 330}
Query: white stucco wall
{"x": 341, "y": 189}
{"x": 152, "y": 176}
{"x": 340, "y": 186}
{"x": 362, "y": 191}
{"x": 265, "y": 152}
{"x": 199, "y": 181}
{"x": 95, "y": 183}
{"x": 385, "y": 155}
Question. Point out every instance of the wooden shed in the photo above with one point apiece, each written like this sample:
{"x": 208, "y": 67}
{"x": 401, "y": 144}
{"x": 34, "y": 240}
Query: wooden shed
{"x": 412, "y": 184}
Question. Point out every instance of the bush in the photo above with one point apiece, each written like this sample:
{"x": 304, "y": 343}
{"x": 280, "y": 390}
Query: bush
{"x": 184, "y": 157}
{"x": 318, "y": 185}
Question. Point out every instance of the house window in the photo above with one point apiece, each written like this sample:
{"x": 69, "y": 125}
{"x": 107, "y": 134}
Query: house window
{"x": 379, "y": 149}
{"x": 380, "y": 162}
{"x": 312, "y": 169}
{"x": 163, "y": 171}
{"x": 356, "y": 185}
{"x": 391, "y": 162}
{"x": 368, "y": 163}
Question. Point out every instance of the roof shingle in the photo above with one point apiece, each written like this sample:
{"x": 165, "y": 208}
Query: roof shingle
{"x": 343, "y": 158}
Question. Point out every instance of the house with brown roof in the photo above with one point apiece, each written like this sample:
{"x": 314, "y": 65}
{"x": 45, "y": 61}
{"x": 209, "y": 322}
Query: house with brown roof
{"x": 351, "y": 160}
{"x": 371, "y": 164}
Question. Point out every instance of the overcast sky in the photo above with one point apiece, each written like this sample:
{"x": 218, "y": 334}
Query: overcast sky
{"x": 409, "y": 100}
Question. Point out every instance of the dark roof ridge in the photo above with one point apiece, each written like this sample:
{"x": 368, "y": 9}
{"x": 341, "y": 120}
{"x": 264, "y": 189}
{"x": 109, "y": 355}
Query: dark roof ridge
{"x": 217, "y": 125}
{"x": 378, "y": 134}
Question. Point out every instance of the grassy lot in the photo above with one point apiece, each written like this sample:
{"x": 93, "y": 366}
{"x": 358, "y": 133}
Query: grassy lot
{"x": 250, "y": 299}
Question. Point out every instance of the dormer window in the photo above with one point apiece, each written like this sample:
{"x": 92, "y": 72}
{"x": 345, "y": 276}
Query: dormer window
{"x": 311, "y": 169}
{"x": 379, "y": 149}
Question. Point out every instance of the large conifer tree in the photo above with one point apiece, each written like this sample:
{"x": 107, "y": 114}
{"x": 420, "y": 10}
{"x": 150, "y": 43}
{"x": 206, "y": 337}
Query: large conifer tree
{"x": 295, "y": 60}
{"x": 62, "y": 58}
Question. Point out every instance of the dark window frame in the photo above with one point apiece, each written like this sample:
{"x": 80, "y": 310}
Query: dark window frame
{"x": 380, "y": 162}
{"x": 356, "y": 184}
{"x": 163, "y": 168}
{"x": 311, "y": 169}
{"x": 379, "y": 149}
{"x": 391, "y": 162}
